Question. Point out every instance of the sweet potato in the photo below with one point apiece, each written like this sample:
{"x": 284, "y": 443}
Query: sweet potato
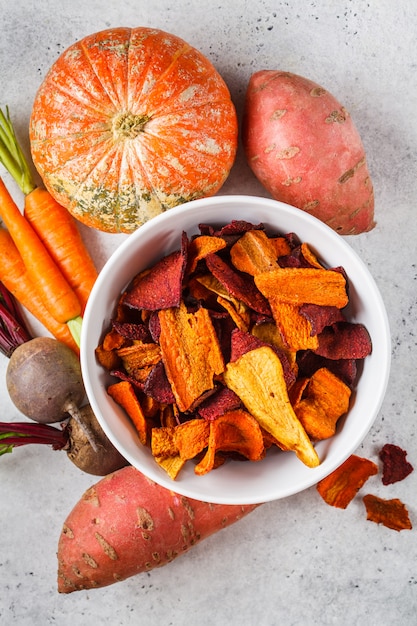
{"x": 303, "y": 146}
{"x": 127, "y": 524}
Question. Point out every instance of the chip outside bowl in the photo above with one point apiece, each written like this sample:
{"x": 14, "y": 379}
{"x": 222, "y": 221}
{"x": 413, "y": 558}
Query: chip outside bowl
{"x": 280, "y": 474}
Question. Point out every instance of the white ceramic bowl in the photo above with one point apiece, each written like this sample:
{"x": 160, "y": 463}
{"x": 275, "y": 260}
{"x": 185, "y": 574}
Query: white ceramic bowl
{"x": 280, "y": 474}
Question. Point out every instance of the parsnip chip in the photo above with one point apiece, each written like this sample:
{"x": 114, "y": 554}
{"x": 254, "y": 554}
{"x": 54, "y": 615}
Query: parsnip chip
{"x": 124, "y": 394}
{"x": 391, "y": 513}
{"x": 340, "y": 487}
{"x": 257, "y": 378}
{"x": 191, "y": 353}
{"x": 254, "y": 253}
{"x": 304, "y": 285}
{"x": 324, "y": 400}
{"x": 235, "y": 431}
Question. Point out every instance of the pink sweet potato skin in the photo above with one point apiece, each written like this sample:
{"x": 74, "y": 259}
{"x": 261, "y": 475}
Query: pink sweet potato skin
{"x": 304, "y": 148}
{"x": 126, "y": 524}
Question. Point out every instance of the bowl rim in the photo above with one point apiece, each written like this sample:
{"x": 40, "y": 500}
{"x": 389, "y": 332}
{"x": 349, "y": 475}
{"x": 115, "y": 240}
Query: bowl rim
{"x": 190, "y": 209}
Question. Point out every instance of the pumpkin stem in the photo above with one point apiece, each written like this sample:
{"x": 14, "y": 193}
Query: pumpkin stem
{"x": 128, "y": 125}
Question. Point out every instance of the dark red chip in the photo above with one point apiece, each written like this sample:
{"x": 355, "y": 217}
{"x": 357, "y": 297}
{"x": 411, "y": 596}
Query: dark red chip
{"x": 395, "y": 464}
{"x": 238, "y": 284}
{"x": 344, "y": 340}
{"x": 223, "y": 400}
{"x": 321, "y": 316}
{"x": 161, "y": 287}
{"x": 157, "y": 385}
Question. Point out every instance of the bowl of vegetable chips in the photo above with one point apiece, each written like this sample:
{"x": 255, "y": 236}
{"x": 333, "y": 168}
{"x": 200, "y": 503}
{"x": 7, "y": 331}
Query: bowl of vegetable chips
{"x": 235, "y": 350}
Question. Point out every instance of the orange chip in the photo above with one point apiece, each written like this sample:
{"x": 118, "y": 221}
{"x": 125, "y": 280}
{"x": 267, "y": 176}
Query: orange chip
{"x": 139, "y": 355}
{"x": 234, "y": 431}
{"x": 391, "y": 513}
{"x": 200, "y": 247}
{"x": 281, "y": 246}
{"x": 301, "y": 285}
{"x": 162, "y": 442}
{"x": 113, "y": 340}
{"x": 295, "y": 329}
{"x": 324, "y": 400}
{"x": 309, "y": 256}
{"x": 257, "y": 377}
{"x": 171, "y": 464}
{"x": 191, "y": 437}
{"x": 190, "y": 352}
{"x": 340, "y": 487}
{"x": 124, "y": 394}
{"x": 254, "y": 253}
{"x": 237, "y": 310}
{"x": 107, "y": 358}
{"x": 269, "y": 333}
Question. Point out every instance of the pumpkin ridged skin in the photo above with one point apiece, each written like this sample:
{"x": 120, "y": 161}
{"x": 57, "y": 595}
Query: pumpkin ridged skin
{"x": 130, "y": 122}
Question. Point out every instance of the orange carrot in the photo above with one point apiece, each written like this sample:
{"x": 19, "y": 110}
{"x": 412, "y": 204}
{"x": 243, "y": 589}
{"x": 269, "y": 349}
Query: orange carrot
{"x": 15, "y": 277}
{"x": 58, "y": 231}
{"x": 57, "y": 295}
{"x": 53, "y": 224}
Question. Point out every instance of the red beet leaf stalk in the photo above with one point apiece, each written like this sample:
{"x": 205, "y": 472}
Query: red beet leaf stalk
{"x": 13, "y": 330}
{"x": 23, "y": 433}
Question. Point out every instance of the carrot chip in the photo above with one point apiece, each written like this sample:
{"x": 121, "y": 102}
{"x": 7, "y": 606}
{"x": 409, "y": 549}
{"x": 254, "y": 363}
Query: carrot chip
{"x": 395, "y": 465}
{"x": 190, "y": 352}
{"x": 124, "y": 394}
{"x": 390, "y": 513}
{"x": 340, "y": 487}
{"x": 235, "y": 431}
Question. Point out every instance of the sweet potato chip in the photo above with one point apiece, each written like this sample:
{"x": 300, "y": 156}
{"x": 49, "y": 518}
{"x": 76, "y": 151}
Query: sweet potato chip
{"x": 281, "y": 246}
{"x": 324, "y": 400}
{"x": 191, "y": 437}
{"x": 340, "y": 487}
{"x": 304, "y": 285}
{"x": 295, "y": 329}
{"x": 257, "y": 378}
{"x": 200, "y": 247}
{"x": 161, "y": 286}
{"x": 171, "y": 464}
{"x": 191, "y": 353}
{"x": 254, "y": 253}
{"x": 395, "y": 466}
{"x": 139, "y": 355}
{"x": 235, "y": 431}
{"x": 391, "y": 513}
{"x": 163, "y": 443}
{"x": 107, "y": 358}
{"x": 124, "y": 394}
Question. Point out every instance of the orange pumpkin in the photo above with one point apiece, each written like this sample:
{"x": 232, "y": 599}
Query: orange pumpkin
{"x": 130, "y": 122}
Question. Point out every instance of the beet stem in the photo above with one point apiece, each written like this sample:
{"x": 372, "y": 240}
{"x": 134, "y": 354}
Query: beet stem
{"x": 23, "y": 433}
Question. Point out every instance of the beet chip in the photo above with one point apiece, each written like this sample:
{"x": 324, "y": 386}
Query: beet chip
{"x": 161, "y": 286}
{"x": 391, "y": 513}
{"x": 344, "y": 340}
{"x": 321, "y": 316}
{"x": 157, "y": 385}
{"x": 239, "y": 285}
{"x": 132, "y": 331}
{"x": 345, "y": 369}
{"x": 223, "y": 400}
{"x": 395, "y": 465}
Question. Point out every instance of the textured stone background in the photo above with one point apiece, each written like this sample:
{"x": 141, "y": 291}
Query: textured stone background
{"x": 296, "y": 561}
